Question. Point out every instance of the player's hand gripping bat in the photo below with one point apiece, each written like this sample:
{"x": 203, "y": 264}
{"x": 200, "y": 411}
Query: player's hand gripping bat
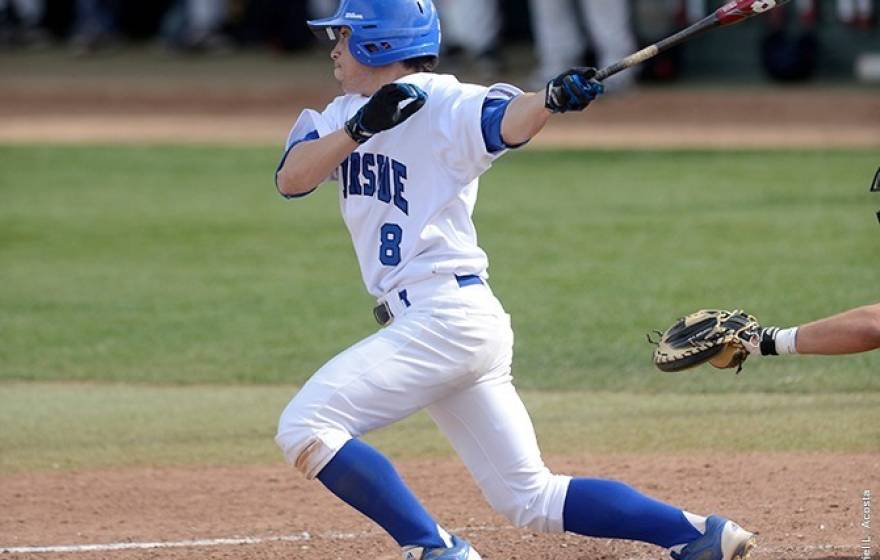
{"x": 734, "y": 11}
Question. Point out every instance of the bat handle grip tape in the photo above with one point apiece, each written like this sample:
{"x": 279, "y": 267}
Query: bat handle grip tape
{"x": 628, "y": 62}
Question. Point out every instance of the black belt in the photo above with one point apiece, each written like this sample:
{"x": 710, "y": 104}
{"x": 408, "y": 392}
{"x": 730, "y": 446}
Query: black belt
{"x": 382, "y": 312}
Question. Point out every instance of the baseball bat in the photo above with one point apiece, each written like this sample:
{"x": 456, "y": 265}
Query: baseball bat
{"x": 732, "y": 12}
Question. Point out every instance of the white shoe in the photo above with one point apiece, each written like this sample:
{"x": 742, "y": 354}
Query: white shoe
{"x": 460, "y": 550}
{"x": 723, "y": 540}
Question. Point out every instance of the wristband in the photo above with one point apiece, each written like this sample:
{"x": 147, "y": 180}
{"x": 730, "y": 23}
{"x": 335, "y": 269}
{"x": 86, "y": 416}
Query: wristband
{"x": 786, "y": 341}
{"x": 776, "y": 341}
{"x": 356, "y": 130}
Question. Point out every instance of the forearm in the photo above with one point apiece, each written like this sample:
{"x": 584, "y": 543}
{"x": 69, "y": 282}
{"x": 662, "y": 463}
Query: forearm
{"x": 524, "y": 118}
{"x": 309, "y": 163}
{"x": 853, "y": 331}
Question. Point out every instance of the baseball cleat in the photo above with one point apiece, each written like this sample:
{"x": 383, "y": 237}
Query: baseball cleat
{"x": 460, "y": 550}
{"x": 723, "y": 540}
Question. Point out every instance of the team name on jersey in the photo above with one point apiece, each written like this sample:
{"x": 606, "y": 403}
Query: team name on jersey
{"x": 375, "y": 175}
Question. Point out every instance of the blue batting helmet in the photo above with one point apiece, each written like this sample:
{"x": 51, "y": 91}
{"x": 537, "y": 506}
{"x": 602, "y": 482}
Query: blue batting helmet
{"x": 384, "y": 31}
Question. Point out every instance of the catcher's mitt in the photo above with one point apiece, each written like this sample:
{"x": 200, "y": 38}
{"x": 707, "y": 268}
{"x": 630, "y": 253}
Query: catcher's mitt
{"x": 709, "y": 335}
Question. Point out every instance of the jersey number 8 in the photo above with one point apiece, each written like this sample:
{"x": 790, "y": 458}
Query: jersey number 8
{"x": 389, "y": 247}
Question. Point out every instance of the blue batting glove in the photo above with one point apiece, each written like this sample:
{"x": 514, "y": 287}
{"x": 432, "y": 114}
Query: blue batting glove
{"x": 573, "y": 90}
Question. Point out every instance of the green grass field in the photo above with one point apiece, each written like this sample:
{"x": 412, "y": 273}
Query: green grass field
{"x": 144, "y": 268}
{"x": 181, "y": 265}
{"x": 49, "y": 426}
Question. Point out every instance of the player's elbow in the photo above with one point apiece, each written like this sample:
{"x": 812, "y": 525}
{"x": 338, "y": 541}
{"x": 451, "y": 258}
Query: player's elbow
{"x": 290, "y": 183}
{"x": 872, "y": 326}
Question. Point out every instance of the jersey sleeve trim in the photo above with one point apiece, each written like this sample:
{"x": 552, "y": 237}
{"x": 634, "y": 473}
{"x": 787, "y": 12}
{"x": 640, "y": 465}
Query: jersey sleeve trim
{"x": 492, "y": 94}
{"x": 313, "y": 135}
{"x": 494, "y": 109}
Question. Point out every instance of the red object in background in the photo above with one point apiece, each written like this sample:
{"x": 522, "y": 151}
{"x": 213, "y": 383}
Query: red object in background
{"x": 857, "y": 13}
{"x": 808, "y": 11}
{"x": 738, "y": 10}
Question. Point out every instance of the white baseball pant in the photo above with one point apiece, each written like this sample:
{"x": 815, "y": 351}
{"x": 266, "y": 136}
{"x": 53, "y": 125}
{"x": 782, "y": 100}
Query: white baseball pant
{"x": 560, "y": 40}
{"x": 449, "y": 352}
{"x": 205, "y": 16}
{"x": 473, "y": 24}
{"x": 30, "y": 11}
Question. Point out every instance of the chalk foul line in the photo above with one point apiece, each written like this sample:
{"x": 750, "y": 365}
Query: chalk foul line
{"x": 231, "y": 541}
{"x": 299, "y": 537}
{"x": 334, "y": 536}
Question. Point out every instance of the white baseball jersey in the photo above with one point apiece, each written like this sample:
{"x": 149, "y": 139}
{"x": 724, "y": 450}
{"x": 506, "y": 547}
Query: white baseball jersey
{"x": 407, "y": 195}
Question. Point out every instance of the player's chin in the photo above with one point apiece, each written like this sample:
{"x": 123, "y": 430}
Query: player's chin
{"x": 349, "y": 89}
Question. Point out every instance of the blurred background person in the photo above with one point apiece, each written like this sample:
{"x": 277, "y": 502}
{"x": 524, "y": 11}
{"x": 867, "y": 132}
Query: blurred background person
{"x": 321, "y": 8}
{"x": 472, "y": 32}
{"x": 694, "y": 10}
{"x": 279, "y": 23}
{"x": 20, "y": 22}
{"x": 857, "y": 13}
{"x": 561, "y": 43}
{"x": 95, "y": 25}
{"x": 790, "y": 49}
{"x": 196, "y": 25}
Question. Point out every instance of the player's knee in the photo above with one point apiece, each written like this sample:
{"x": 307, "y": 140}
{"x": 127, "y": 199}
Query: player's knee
{"x": 308, "y": 451}
{"x": 307, "y": 445}
{"x": 535, "y": 502}
{"x": 293, "y": 441}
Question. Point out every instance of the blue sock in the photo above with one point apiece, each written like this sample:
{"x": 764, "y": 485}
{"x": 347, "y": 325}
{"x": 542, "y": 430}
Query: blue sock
{"x": 611, "y": 509}
{"x": 364, "y": 479}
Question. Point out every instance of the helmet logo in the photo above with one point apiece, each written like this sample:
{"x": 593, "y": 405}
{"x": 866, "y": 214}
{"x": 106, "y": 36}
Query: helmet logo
{"x": 354, "y": 15}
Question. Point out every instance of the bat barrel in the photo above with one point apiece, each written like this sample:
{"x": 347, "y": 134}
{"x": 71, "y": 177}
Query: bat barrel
{"x": 734, "y": 11}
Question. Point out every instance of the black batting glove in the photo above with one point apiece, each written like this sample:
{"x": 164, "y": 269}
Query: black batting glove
{"x": 573, "y": 90}
{"x": 386, "y": 109}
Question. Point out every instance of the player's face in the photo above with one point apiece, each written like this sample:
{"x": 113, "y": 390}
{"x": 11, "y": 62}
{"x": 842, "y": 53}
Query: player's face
{"x": 351, "y": 74}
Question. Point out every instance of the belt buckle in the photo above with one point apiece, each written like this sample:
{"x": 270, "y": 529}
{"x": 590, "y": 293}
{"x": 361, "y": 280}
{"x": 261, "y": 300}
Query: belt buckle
{"x": 382, "y": 314}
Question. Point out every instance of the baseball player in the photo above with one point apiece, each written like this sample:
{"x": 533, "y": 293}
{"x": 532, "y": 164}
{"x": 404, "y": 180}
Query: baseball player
{"x": 726, "y": 339}
{"x": 853, "y": 331}
{"x": 560, "y": 41}
{"x": 406, "y": 147}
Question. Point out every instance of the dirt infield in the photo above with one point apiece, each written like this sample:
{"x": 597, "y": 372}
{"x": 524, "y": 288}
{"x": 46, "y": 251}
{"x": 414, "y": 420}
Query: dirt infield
{"x": 651, "y": 118}
{"x": 806, "y": 506}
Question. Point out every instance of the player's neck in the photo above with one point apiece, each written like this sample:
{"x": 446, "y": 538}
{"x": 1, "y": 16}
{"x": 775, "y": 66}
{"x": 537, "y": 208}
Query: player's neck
{"x": 384, "y": 75}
